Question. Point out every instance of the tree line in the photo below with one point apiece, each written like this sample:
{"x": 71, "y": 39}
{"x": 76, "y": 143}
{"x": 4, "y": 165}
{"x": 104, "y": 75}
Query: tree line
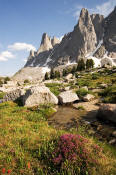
{"x": 80, "y": 67}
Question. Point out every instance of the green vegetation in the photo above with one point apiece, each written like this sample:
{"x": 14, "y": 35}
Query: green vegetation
{"x": 89, "y": 64}
{"x": 28, "y": 145}
{"x": 6, "y": 79}
{"x": 109, "y": 94}
{"x": 46, "y": 76}
{"x": 82, "y": 92}
{"x": 81, "y": 65}
{"x": 54, "y": 88}
{"x": 2, "y": 94}
{"x": 26, "y": 81}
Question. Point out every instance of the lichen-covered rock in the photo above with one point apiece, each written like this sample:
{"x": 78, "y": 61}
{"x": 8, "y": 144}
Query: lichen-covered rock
{"x": 67, "y": 97}
{"x": 39, "y": 95}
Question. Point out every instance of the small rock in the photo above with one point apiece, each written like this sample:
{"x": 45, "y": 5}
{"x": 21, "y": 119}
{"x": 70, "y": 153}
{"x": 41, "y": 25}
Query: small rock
{"x": 67, "y": 88}
{"x": 69, "y": 76}
{"x": 103, "y": 85}
{"x": 88, "y": 97}
{"x": 99, "y": 127}
{"x": 114, "y": 134}
{"x": 112, "y": 142}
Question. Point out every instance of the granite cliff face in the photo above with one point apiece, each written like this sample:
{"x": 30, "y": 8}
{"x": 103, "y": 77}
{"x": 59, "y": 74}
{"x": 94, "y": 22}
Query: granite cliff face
{"x": 93, "y": 37}
{"x": 110, "y": 32}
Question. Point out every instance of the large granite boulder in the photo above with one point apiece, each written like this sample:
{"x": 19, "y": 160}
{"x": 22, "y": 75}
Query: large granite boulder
{"x": 14, "y": 95}
{"x": 39, "y": 95}
{"x": 107, "y": 112}
{"x": 67, "y": 97}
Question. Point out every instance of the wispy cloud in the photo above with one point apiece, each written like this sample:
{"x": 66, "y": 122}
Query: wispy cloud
{"x": 21, "y": 46}
{"x": 4, "y": 56}
{"x": 104, "y": 8}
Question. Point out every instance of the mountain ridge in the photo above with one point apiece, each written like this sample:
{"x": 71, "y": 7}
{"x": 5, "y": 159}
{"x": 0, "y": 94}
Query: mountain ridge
{"x": 92, "y": 37}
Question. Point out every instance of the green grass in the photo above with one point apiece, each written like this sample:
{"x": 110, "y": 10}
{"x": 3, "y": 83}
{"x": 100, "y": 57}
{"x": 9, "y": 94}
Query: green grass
{"x": 26, "y": 138}
{"x": 54, "y": 88}
{"x": 109, "y": 94}
{"x": 2, "y": 94}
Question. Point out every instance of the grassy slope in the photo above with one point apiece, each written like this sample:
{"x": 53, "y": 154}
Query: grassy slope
{"x": 24, "y": 137}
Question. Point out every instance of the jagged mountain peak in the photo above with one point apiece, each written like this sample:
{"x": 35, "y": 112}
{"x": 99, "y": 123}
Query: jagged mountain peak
{"x": 46, "y": 44}
{"x": 55, "y": 41}
{"x": 93, "y": 36}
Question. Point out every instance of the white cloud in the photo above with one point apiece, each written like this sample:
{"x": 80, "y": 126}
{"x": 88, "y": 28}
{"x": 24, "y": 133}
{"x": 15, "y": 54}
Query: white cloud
{"x": 21, "y": 46}
{"x": 104, "y": 8}
{"x": 4, "y": 56}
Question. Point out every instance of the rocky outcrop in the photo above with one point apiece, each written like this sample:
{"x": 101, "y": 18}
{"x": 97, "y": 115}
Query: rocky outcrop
{"x": 67, "y": 97}
{"x": 93, "y": 37}
{"x": 55, "y": 41}
{"x": 45, "y": 44}
{"x": 73, "y": 46}
{"x": 107, "y": 112}
{"x": 39, "y": 95}
{"x": 14, "y": 95}
{"x": 30, "y": 73}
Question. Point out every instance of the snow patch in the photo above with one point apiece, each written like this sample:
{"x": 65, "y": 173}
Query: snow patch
{"x": 45, "y": 69}
{"x": 69, "y": 63}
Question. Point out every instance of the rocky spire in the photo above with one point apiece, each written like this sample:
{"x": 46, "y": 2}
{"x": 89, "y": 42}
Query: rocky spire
{"x": 45, "y": 44}
{"x": 85, "y": 35}
{"x": 55, "y": 41}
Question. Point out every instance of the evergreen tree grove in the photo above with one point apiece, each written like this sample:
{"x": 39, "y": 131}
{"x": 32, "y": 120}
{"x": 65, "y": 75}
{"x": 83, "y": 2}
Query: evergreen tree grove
{"x": 81, "y": 65}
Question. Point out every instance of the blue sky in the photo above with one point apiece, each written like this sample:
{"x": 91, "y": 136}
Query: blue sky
{"x": 22, "y": 23}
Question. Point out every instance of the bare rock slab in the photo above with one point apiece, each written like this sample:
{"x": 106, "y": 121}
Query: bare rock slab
{"x": 39, "y": 95}
{"x": 67, "y": 97}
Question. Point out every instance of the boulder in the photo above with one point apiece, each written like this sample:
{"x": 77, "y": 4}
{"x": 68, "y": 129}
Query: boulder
{"x": 67, "y": 88}
{"x": 88, "y": 97}
{"x": 69, "y": 76}
{"x": 39, "y": 95}
{"x": 67, "y": 97}
{"x": 107, "y": 112}
{"x": 13, "y": 95}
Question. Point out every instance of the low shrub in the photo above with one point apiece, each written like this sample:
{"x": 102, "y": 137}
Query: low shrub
{"x": 109, "y": 94}
{"x": 81, "y": 108}
{"x": 82, "y": 92}
{"x": 26, "y": 81}
{"x": 72, "y": 154}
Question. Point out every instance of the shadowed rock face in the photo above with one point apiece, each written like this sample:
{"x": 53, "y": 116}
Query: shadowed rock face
{"x": 110, "y": 32}
{"x": 97, "y": 21}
